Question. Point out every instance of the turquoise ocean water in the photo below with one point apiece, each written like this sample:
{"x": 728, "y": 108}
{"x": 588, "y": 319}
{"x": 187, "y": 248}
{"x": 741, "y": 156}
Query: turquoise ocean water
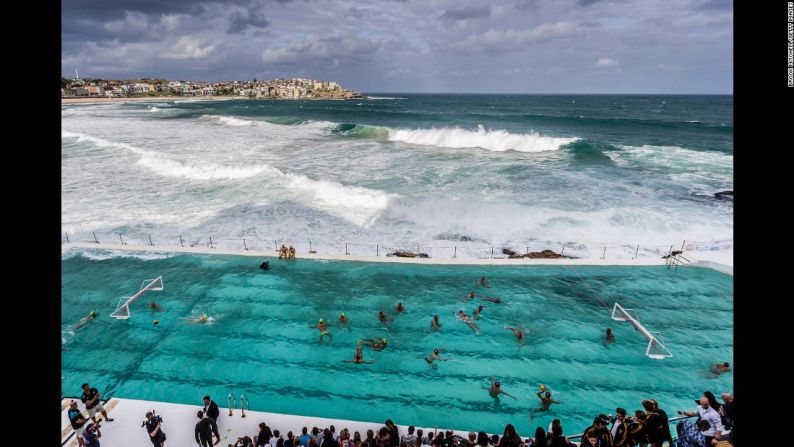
{"x": 259, "y": 342}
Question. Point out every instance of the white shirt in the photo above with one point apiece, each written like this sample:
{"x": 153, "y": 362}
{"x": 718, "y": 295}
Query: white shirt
{"x": 615, "y": 427}
{"x": 713, "y": 418}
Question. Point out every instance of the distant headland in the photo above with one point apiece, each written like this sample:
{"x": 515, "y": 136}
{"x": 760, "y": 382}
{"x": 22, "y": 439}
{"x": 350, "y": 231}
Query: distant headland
{"x": 295, "y": 88}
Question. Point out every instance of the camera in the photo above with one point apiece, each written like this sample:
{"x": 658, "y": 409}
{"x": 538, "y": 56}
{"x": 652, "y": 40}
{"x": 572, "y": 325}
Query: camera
{"x": 156, "y": 419}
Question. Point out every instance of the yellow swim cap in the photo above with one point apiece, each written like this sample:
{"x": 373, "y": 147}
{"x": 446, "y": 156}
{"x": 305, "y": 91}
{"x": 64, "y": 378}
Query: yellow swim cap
{"x": 342, "y": 314}
{"x": 321, "y": 320}
{"x": 385, "y": 342}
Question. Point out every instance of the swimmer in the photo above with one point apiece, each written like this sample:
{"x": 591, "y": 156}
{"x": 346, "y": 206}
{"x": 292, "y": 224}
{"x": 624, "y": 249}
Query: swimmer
{"x": 358, "y": 357}
{"x": 383, "y": 317}
{"x": 343, "y": 319}
{"x": 496, "y": 389}
{"x": 464, "y": 317}
{"x": 435, "y": 356}
{"x": 201, "y": 319}
{"x": 518, "y": 333}
{"x": 468, "y": 296}
{"x": 435, "y": 324}
{"x": 610, "y": 337}
{"x": 265, "y": 265}
{"x": 477, "y": 312}
{"x": 545, "y": 401}
{"x": 720, "y": 368}
{"x": 155, "y": 306}
{"x": 493, "y": 299}
{"x": 377, "y": 344}
{"x": 83, "y": 321}
{"x": 483, "y": 281}
{"x": 400, "y": 307}
{"x": 322, "y": 326}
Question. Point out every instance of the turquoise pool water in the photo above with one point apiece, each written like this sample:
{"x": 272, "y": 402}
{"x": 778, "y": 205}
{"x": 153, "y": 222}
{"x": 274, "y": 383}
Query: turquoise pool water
{"x": 260, "y": 342}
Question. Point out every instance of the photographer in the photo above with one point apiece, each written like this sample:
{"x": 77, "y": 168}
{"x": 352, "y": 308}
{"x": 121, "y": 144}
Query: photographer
{"x": 156, "y": 434}
{"x": 91, "y": 435}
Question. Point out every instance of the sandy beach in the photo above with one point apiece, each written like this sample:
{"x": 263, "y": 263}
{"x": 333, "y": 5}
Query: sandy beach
{"x": 103, "y": 100}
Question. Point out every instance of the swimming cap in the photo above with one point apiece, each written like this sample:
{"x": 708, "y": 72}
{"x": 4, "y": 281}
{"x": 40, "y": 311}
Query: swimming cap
{"x": 321, "y": 320}
{"x": 342, "y": 315}
{"x": 155, "y": 322}
{"x": 385, "y": 341}
{"x": 92, "y": 314}
{"x": 496, "y": 383}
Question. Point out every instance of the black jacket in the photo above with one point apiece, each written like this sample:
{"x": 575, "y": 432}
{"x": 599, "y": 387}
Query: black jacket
{"x": 203, "y": 430}
{"x": 213, "y": 411}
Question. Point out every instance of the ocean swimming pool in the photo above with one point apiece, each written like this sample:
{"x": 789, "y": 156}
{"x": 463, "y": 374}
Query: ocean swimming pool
{"x": 260, "y": 343}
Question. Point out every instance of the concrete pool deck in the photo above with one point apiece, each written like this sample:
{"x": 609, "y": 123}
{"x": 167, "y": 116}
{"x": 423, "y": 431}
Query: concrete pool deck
{"x": 698, "y": 260}
{"x": 179, "y": 421}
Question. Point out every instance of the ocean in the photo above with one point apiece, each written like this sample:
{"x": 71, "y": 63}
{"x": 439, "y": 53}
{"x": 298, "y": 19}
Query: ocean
{"x": 626, "y": 173}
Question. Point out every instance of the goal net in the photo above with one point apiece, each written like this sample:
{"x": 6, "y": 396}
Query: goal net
{"x": 655, "y": 349}
{"x": 122, "y": 311}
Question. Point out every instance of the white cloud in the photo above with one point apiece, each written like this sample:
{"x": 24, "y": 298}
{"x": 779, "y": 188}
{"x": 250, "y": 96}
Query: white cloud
{"x": 321, "y": 49}
{"x": 188, "y": 48}
{"x": 606, "y": 62}
{"x": 511, "y": 39}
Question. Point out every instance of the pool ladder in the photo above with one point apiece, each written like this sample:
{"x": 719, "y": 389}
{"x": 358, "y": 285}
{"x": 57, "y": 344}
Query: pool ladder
{"x": 233, "y": 404}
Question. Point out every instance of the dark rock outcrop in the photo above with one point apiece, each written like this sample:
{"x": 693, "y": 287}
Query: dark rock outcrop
{"x": 539, "y": 255}
{"x": 407, "y": 254}
{"x": 508, "y": 252}
{"x": 724, "y": 195}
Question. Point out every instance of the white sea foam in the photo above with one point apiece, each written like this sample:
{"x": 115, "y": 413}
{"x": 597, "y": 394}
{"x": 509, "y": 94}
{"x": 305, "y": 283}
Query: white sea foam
{"x": 492, "y": 140}
{"x": 384, "y": 97}
{"x": 154, "y": 109}
{"x": 101, "y": 255}
{"x": 227, "y": 120}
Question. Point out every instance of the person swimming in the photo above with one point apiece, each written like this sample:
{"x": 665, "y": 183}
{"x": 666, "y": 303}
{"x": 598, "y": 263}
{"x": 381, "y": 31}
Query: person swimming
{"x": 265, "y": 265}
{"x": 477, "y": 312}
{"x": 435, "y": 355}
{"x": 720, "y": 368}
{"x": 545, "y": 401}
{"x": 400, "y": 307}
{"x": 358, "y": 357}
{"x": 200, "y": 319}
{"x": 377, "y": 344}
{"x": 435, "y": 323}
{"x": 518, "y": 333}
{"x": 483, "y": 281}
{"x": 493, "y": 299}
{"x": 383, "y": 317}
{"x": 609, "y": 337}
{"x": 496, "y": 389}
{"x": 468, "y": 296}
{"x": 464, "y": 317}
{"x": 322, "y": 326}
{"x": 156, "y": 307}
{"x": 83, "y": 321}
{"x": 343, "y": 319}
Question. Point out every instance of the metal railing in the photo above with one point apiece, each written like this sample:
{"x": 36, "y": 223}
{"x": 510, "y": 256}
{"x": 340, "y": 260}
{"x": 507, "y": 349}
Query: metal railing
{"x": 675, "y": 419}
{"x": 471, "y": 250}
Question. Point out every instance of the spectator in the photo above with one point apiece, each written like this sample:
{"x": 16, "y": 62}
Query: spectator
{"x": 600, "y": 432}
{"x": 203, "y": 432}
{"x": 274, "y": 437}
{"x": 495, "y": 440}
{"x": 334, "y": 433}
{"x": 290, "y": 442}
{"x": 344, "y": 438}
{"x": 636, "y": 428}
{"x": 317, "y": 437}
{"x": 211, "y": 411}
{"x": 262, "y": 438}
{"x": 664, "y": 422}
{"x": 394, "y": 434}
{"x": 510, "y": 438}
{"x": 620, "y": 433}
{"x": 540, "y": 438}
{"x": 690, "y": 434}
{"x": 409, "y": 439}
{"x": 91, "y": 435}
{"x": 654, "y": 431}
{"x": 328, "y": 439}
{"x": 557, "y": 439}
{"x": 482, "y": 439}
{"x": 78, "y": 421}
{"x": 726, "y": 411}
{"x": 245, "y": 441}
{"x": 370, "y": 441}
{"x": 712, "y": 401}
{"x": 421, "y": 439}
{"x": 383, "y": 439}
{"x": 304, "y": 439}
{"x": 705, "y": 412}
{"x": 357, "y": 440}
{"x": 92, "y": 403}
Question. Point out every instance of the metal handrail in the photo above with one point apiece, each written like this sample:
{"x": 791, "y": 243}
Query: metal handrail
{"x": 231, "y": 398}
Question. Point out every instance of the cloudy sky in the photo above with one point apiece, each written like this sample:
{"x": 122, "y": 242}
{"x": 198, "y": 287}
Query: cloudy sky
{"x": 499, "y": 46}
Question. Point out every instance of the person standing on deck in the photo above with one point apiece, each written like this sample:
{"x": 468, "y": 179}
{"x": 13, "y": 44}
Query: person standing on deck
{"x": 212, "y": 412}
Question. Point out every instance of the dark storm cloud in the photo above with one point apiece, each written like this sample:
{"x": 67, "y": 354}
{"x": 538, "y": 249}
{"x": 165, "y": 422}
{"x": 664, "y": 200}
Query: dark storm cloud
{"x": 649, "y": 46}
{"x": 467, "y": 13}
